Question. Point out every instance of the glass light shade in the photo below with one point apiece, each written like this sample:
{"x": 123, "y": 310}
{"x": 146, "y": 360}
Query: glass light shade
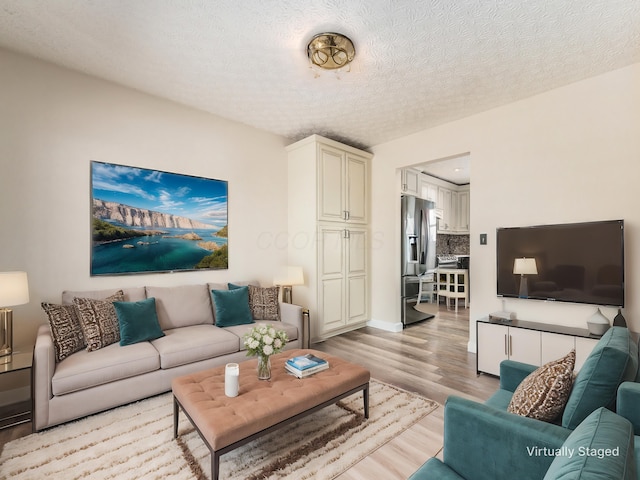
{"x": 330, "y": 51}
{"x": 14, "y": 289}
{"x": 525, "y": 266}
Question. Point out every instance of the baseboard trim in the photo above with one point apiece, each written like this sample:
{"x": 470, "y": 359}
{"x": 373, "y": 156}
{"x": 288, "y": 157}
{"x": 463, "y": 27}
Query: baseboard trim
{"x": 386, "y": 326}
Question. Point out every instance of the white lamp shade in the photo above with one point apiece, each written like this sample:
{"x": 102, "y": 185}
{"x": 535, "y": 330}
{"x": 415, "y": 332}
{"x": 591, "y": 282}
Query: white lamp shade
{"x": 525, "y": 266}
{"x": 14, "y": 289}
{"x": 289, "y": 276}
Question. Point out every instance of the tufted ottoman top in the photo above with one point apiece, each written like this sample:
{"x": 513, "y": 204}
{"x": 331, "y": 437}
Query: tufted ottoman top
{"x": 260, "y": 404}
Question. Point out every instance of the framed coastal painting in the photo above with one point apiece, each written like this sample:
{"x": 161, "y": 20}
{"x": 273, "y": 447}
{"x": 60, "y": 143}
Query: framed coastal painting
{"x": 146, "y": 221}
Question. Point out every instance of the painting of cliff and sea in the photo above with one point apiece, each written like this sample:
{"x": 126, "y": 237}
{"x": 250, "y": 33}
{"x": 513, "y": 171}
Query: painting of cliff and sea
{"x": 146, "y": 221}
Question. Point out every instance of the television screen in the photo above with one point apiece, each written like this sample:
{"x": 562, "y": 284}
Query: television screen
{"x": 577, "y": 262}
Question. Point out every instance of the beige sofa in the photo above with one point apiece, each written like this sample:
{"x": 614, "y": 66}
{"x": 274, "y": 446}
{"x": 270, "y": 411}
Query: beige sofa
{"x": 89, "y": 382}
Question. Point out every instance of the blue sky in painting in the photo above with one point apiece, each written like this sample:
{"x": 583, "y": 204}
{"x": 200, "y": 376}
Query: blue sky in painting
{"x": 197, "y": 198}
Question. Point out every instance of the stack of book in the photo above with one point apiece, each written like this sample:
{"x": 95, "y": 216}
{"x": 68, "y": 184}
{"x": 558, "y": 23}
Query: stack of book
{"x": 305, "y": 365}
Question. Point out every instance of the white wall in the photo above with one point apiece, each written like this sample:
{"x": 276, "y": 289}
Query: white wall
{"x": 568, "y": 155}
{"x": 53, "y": 122}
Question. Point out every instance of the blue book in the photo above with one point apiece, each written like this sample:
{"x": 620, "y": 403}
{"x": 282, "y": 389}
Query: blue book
{"x": 307, "y": 361}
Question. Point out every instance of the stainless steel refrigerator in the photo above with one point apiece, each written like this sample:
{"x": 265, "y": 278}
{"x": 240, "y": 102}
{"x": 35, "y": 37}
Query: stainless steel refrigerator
{"x": 418, "y": 259}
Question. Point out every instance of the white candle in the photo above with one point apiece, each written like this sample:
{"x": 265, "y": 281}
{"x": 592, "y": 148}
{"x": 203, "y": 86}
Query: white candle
{"x": 231, "y": 379}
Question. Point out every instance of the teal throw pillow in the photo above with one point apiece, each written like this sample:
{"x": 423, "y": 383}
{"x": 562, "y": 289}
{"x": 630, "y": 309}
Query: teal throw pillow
{"x": 600, "y": 447}
{"x": 138, "y": 321}
{"x": 232, "y": 307}
{"x": 612, "y": 361}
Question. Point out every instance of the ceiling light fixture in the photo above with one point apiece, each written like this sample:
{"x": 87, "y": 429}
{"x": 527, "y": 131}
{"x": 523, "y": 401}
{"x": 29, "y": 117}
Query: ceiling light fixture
{"x": 330, "y": 51}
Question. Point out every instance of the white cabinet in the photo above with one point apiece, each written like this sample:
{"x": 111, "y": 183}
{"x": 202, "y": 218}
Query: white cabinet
{"x": 329, "y": 201}
{"x": 342, "y": 271}
{"x": 501, "y": 342}
{"x": 342, "y": 186}
{"x": 410, "y": 181}
{"x": 463, "y": 200}
{"x": 528, "y": 342}
{"x": 455, "y": 205}
{"x": 428, "y": 190}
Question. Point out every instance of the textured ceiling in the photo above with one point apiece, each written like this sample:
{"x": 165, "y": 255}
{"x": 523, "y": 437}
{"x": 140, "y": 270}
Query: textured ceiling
{"x": 419, "y": 63}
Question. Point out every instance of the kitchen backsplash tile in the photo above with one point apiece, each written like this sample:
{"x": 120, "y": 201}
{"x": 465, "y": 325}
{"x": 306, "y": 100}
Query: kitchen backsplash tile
{"x": 452, "y": 244}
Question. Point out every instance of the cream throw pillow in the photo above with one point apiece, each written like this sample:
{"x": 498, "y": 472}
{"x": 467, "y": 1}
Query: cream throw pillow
{"x": 544, "y": 393}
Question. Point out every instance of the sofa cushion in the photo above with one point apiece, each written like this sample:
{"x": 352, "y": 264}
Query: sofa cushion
{"x": 99, "y": 321}
{"x": 241, "y": 330}
{"x": 130, "y": 294}
{"x": 84, "y": 369}
{"x": 600, "y": 447}
{"x": 66, "y": 331}
{"x": 232, "y": 306}
{"x": 264, "y": 303}
{"x": 138, "y": 321}
{"x": 613, "y": 360}
{"x": 544, "y": 393}
{"x": 500, "y": 399}
{"x": 191, "y": 344}
{"x": 182, "y": 306}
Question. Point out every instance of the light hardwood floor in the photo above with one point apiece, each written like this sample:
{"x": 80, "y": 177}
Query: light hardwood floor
{"x": 429, "y": 358}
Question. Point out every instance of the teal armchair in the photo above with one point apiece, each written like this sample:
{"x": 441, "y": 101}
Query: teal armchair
{"x": 484, "y": 441}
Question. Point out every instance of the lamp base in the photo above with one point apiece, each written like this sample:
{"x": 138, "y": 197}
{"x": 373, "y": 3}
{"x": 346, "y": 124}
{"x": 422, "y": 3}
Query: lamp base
{"x": 524, "y": 288}
{"x": 287, "y": 294}
{"x": 6, "y": 332}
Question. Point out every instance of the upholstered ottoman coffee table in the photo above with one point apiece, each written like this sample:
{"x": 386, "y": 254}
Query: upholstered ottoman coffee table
{"x": 262, "y": 406}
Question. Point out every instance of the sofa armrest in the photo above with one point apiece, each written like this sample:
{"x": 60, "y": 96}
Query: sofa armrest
{"x": 44, "y": 365}
{"x": 483, "y": 443}
{"x": 512, "y": 373}
{"x": 293, "y": 315}
{"x": 627, "y": 403}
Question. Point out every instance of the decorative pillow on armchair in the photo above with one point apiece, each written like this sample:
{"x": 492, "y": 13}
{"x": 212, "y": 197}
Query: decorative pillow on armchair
{"x": 543, "y": 394}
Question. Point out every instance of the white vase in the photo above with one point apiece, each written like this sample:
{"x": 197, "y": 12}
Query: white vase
{"x": 598, "y": 324}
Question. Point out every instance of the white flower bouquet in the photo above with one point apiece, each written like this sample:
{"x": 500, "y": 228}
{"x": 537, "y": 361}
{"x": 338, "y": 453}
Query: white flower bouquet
{"x": 264, "y": 341}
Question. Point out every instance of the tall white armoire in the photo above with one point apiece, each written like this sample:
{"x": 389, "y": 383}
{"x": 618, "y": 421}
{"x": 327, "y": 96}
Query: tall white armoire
{"x": 329, "y": 209}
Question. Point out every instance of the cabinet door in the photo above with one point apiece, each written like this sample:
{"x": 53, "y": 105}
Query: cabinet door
{"x": 410, "y": 181}
{"x": 583, "y": 349}
{"x": 444, "y": 202}
{"x": 524, "y": 346}
{"x": 331, "y": 181}
{"x": 331, "y": 278}
{"x": 357, "y": 192}
{"x": 356, "y": 273}
{"x": 429, "y": 191}
{"x": 492, "y": 344}
{"x": 463, "y": 212}
{"x": 555, "y": 346}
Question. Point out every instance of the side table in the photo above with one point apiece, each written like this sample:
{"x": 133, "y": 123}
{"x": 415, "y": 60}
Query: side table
{"x": 21, "y": 412}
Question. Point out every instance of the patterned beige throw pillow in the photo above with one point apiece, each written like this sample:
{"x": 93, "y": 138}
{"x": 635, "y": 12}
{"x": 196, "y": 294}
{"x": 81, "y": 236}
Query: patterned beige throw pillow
{"x": 263, "y": 303}
{"x": 544, "y": 393}
{"x": 99, "y": 320}
{"x": 65, "y": 329}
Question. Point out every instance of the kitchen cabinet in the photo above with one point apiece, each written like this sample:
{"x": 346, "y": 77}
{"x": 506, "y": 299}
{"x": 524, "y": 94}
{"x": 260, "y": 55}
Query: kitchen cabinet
{"x": 463, "y": 204}
{"x": 428, "y": 190}
{"x": 529, "y": 342}
{"x": 328, "y": 233}
{"x": 410, "y": 181}
{"x": 455, "y": 205}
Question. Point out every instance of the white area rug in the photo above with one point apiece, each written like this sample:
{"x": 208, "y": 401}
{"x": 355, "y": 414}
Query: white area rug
{"x": 136, "y": 442}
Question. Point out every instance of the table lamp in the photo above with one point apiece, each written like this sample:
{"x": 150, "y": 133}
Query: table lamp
{"x": 523, "y": 267}
{"x": 286, "y": 278}
{"x": 14, "y": 290}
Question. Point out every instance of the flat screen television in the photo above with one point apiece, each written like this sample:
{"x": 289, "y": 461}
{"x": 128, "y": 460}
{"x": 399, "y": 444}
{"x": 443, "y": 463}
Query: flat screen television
{"x": 575, "y": 262}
